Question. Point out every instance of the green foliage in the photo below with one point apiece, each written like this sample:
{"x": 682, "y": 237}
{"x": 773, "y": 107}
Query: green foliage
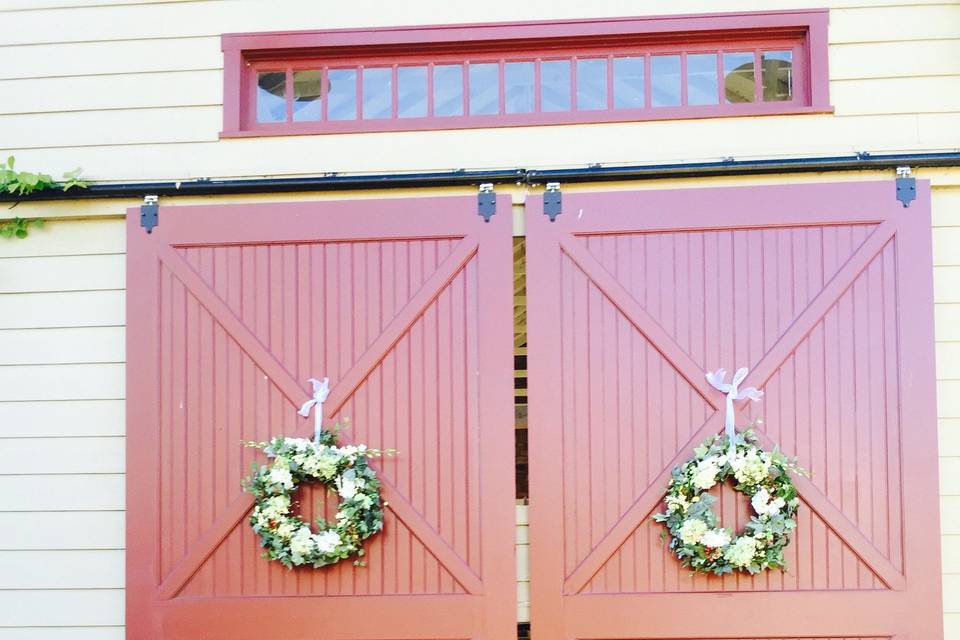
{"x": 17, "y": 228}
{"x": 23, "y": 183}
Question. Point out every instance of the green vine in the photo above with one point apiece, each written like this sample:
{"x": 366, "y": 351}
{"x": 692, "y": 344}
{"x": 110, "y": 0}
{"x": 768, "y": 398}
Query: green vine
{"x": 23, "y": 183}
{"x": 17, "y": 228}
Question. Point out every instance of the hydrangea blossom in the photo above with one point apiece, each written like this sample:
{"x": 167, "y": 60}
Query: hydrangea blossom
{"x": 692, "y": 531}
{"x": 741, "y": 552}
{"x": 716, "y": 538}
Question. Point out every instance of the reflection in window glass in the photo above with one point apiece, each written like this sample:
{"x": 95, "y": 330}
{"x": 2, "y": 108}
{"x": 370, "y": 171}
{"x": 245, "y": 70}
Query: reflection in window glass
{"x": 448, "y": 90}
{"x": 518, "y": 87}
{"x": 377, "y": 93}
{"x": 738, "y": 78}
{"x": 628, "y": 83}
{"x": 484, "y": 88}
{"x": 306, "y": 96}
{"x": 591, "y": 84}
{"x": 777, "y": 75}
{"x": 555, "y": 85}
{"x": 271, "y": 96}
{"x": 342, "y": 94}
{"x": 702, "y": 79}
{"x": 412, "y": 92}
{"x": 665, "y": 81}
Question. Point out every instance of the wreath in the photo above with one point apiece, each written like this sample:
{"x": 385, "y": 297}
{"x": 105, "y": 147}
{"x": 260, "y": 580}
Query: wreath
{"x": 695, "y": 537}
{"x": 287, "y": 537}
{"x": 346, "y": 470}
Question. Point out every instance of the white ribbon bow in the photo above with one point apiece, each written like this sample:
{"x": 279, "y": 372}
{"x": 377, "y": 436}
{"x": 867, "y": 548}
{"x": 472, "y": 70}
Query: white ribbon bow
{"x": 734, "y": 392}
{"x": 321, "y": 389}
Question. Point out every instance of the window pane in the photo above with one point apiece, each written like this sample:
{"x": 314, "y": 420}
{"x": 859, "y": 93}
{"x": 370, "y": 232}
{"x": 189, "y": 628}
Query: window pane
{"x": 738, "y": 77}
{"x": 484, "y": 88}
{"x": 628, "y": 83}
{"x": 448, "y": 90}
{"x": 306, "y": 95}
{"x": 665, "y": 81}
{"x": 518, "y": 87}
{"x": 777, "y": 75}
{"x": 377, "y": 93}
{"x": 591, "y": 84}
{"x": 342, "y": 94}
{"x": 271, "y": 96}
{"x": 412, "y": 92}
{"x": 702, "y": 79}
{"x": 555, "y": 85}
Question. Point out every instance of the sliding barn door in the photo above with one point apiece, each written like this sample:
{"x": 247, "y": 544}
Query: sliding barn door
{"x": 406, "y": 306}
{"x": 825, "y": 293}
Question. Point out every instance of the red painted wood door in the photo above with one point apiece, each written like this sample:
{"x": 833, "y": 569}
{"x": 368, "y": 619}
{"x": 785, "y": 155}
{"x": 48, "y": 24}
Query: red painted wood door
{"x": 405, "y": 305}
{"x": 825, "y": 292}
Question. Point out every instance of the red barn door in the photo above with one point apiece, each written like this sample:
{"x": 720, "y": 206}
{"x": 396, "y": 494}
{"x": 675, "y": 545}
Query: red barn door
{"x": 405, "y": 305}
{"x": 825, "y": 292}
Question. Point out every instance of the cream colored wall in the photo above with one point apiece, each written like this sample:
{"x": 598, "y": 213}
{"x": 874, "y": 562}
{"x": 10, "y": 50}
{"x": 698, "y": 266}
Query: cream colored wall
{"x": 61, "y": 433}
{"x": 946, "y": 258}
{"x": 131, "y": 90}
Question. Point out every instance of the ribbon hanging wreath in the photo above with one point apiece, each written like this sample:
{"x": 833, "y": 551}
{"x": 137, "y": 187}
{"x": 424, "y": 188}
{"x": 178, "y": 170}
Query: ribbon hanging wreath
{"x": 695, "y": 535}
{"x": 287, "y": 537}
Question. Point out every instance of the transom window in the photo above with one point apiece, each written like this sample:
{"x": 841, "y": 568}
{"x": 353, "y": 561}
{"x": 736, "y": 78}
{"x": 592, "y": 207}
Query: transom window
{"x": 616, "y": 70}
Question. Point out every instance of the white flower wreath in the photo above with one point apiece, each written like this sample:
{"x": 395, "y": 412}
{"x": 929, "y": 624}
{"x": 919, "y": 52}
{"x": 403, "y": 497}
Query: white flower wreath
{"x": 288, "y": 538}
{"x": 695, "y": 537}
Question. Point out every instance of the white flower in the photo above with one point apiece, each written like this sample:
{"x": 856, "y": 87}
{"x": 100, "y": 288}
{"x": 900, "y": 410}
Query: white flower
{"x": 692, "y": 531}
{"x": 716, "y": 538}
{"x": 764, "y": 506}
{"x": 327, "y": 541}
{"x": 263, "y": 520}
{"x": 706, "y": 474}
{"x": 281, "y": 476}
{"x": 276, "y": 506}
{"x": 346, "y": 487}
{"x": 323, "y": 465}
{"x": 741, "y": 552}
{"x": 677, "y": 503}
{"x": 298, "y": 444}
{"x": 302, "y": 543}
{"x": 751, "y": 468}
{"x": 285, "y": 530}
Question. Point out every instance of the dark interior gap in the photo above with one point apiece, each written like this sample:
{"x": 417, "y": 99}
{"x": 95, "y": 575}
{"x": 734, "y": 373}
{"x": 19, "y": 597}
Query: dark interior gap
{"x": 520, "y": 367}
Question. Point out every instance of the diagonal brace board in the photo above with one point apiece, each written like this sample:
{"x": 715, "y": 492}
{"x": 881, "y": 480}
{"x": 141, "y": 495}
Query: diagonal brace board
{"x": 205, "y": 545}
{"x": 768, "y": 365}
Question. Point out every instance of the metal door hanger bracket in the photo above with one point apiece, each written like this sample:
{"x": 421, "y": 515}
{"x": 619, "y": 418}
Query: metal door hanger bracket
{"x": 552, "y": 201}
{"x": 150, "y": 213}
{"x": 906, "y": 186}
{"x": 486, "y": 201}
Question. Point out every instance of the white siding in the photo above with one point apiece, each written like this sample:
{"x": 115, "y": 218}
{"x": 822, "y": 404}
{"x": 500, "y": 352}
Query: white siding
{"x": 138, "y": 91}
{"x": 61, "y": 433}
{"x": 946, "y": 259}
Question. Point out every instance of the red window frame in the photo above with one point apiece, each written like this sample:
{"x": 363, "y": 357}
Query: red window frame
{"x": 803, "y": 32}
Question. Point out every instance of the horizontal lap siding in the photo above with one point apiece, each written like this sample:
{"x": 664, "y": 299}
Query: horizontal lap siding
{"x": 61, "y": 432}
{"x": 946, "y": 260}
{"x": 140, "y": 90}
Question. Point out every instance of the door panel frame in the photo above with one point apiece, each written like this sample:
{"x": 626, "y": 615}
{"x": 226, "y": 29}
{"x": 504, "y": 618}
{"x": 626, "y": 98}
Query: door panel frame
{"x": 488, "y": 610}
{"x": 556, "y": 609}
